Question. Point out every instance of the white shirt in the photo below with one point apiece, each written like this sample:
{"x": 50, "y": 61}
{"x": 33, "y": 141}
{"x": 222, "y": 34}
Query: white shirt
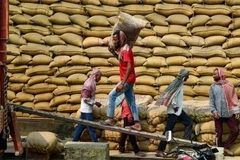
{"x": 87, "y": 107}
{"x": 176, "y": 102}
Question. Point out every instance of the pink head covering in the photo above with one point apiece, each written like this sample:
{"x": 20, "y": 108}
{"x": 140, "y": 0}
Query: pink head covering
{"x": 90, "y": 83}
{"x": 229, "y": 92}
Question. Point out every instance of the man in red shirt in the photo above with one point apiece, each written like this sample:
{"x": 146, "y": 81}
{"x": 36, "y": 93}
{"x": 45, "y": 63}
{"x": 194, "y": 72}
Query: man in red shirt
{"x": 127, "y": 75}
{"x": 127, "y": 117}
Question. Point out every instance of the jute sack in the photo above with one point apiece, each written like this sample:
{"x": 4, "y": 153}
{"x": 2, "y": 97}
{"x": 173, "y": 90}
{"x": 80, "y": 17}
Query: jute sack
{"x": 10, "y": 58}
{"x": 60, "y": 18}
{"x": 233, "y": 52}
{"x": 156, "y": 114}
{"x": 139, "y": 60}
{"x": 232, "y": 2}
{"x": 16, "y": 69}
{"x": 203, "y": 114}
{"x": 57, "y": 100}
{"x": 68, "y": 8}
{"x": 98, "y": 21}
{"x": 78, "y": 60}
{"x": 214, "y": 40}
{"x": 41, "y": 59}
{"x": 234, "y": 63}
{"x": 235, "y": 24}
{"x": 77, "y": 78}
{"x": 69, "y": 70}
{"x": 201, "y": 90}
{"x": 110, "y": 3}
{"x": 94, "y": 62}
{"x": 178, "y": 19}
{"x": 155, "y": 61}
{"x": 145, "y": 90}
{"x": 91, "y": 2}
{"x": 176, "y": 60}
{"x": 14, "y": 30}
{"x": 69, "y": 108}
{"x": 142, "y": 51}
{"x": 39, "y": 88}
{"x": 130, "y": 1}
{"x": 104, "y": 10}
{"x": 37, "y": 79}
{"x": 67, "y": 90}
{"x": 190, "y": 2}
{"x": 198, "y": 20}
{"x": 152, "y": 72}
{"x": 21, "y": 19}
{"x": 143, "y": 100}
{"x": 23, "y": 97}
{"x": 92, "y": 41}
{"x": 97, "y": 31}
{"x": 236, "y": 72}
{"x": 130, "y": 25}
{"x": 40, "y": 70}
{"x": 206, "y": 80}
{"x": 173, "y": 40}
{"x": 178, "y": 127}
{"x": 153, "y": 41}
{"x": 80, "y": 20}
{"x": 144, "y": 146}
{"x": 97, "y": 52}
{"x": 112, "y": 20}
{"x": 195, "y": 62}
{"x": 211, "y": 10}
{"x": 218, "y": 61}
{"x": 16, "y": 39}
{"x": 48, "y": 1}
{"x": 13, "y": 50}
{"x": 146, "y": 32}
{"x": 72, "y": 39}
{"x": 193, "y": 40}
{"x": 208, "y": 51}
{"x": 157, "y": 19}
{"x": 104, "y": 88}
{"x": 11, "y": 95}
{"x": 209, "y": 127}
{"x": 171, "y": 51}
{"x": 44, "y": 106}
{"x": 35, "y": 49}
{"x": 235, "y": 11}
{"x": 68, "y": 50}
{"x": 23, "y": 59}
{"x": 111, "y": 135}
{"x": 145, "y": 80}
{"x": 208, "y": 138}
{"x": 172, "y": 29}
{"x": 34, "y": 9}
{"x": 206, "y": 31}
{"x": 26, "y": 28}
{"x": 141, "y": 9}
{"x": 208, "y": 71}
{"x": 43, "y": 97}
{"x": 41, "y": 20}
{"x": 59, "y": 61}
{"x": 192, "y": 80}
{"x": 164, "y": 80}
{"x": 74, "y": 99}
{"x": 115, "y": 79}
{"x": 170, "y": 9}
{"x": 71, "y": 28}
{"x": 41, "y": 142}
{"x": 231, "y": 42}
{"x": 221, "y": 20}
{"x": 53, "y": 40}
{"x": 173, "y": 70}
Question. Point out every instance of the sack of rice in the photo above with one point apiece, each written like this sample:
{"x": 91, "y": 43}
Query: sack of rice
{"x": 130, "y": 25}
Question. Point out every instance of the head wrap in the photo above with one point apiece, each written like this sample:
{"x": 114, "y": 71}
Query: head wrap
{"x": 166, "y": 97}
{"x": 229, "y": 92}
{"x": 90, "y": 83}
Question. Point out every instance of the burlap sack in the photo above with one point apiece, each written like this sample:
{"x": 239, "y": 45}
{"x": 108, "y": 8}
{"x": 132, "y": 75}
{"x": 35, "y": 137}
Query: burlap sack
{"x": 130, "y": 25}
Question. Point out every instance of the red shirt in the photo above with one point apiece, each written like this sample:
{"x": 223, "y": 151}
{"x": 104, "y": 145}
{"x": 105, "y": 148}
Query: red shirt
{"x": 126, "y": 111}
{"x": 127, "y": 56}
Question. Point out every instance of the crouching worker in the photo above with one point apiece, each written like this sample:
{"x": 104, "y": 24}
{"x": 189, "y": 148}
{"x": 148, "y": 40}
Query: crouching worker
{"x": 87, "y": 103}
{"x": 128, "y": 121}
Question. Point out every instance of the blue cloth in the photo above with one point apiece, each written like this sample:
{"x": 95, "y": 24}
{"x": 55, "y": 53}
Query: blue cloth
{"x": 129, "y": 94}
{"x": 80, "y": 128}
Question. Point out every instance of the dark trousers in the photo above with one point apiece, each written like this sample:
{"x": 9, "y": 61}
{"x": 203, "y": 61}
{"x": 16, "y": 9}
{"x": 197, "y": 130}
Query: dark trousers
{"x": 80, "y": 128}
{"x": 171, "y": 121}
{"x": 124, "y": 136}
{"x": 234, "y": 131}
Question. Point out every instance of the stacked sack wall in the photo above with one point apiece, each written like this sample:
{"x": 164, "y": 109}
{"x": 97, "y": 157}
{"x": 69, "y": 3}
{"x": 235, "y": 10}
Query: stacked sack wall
{"x": 53, "y": 45}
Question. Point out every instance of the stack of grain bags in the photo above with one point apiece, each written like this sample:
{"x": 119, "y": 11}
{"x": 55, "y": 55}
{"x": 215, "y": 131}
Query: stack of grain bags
{"x": 53, "y": 45}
